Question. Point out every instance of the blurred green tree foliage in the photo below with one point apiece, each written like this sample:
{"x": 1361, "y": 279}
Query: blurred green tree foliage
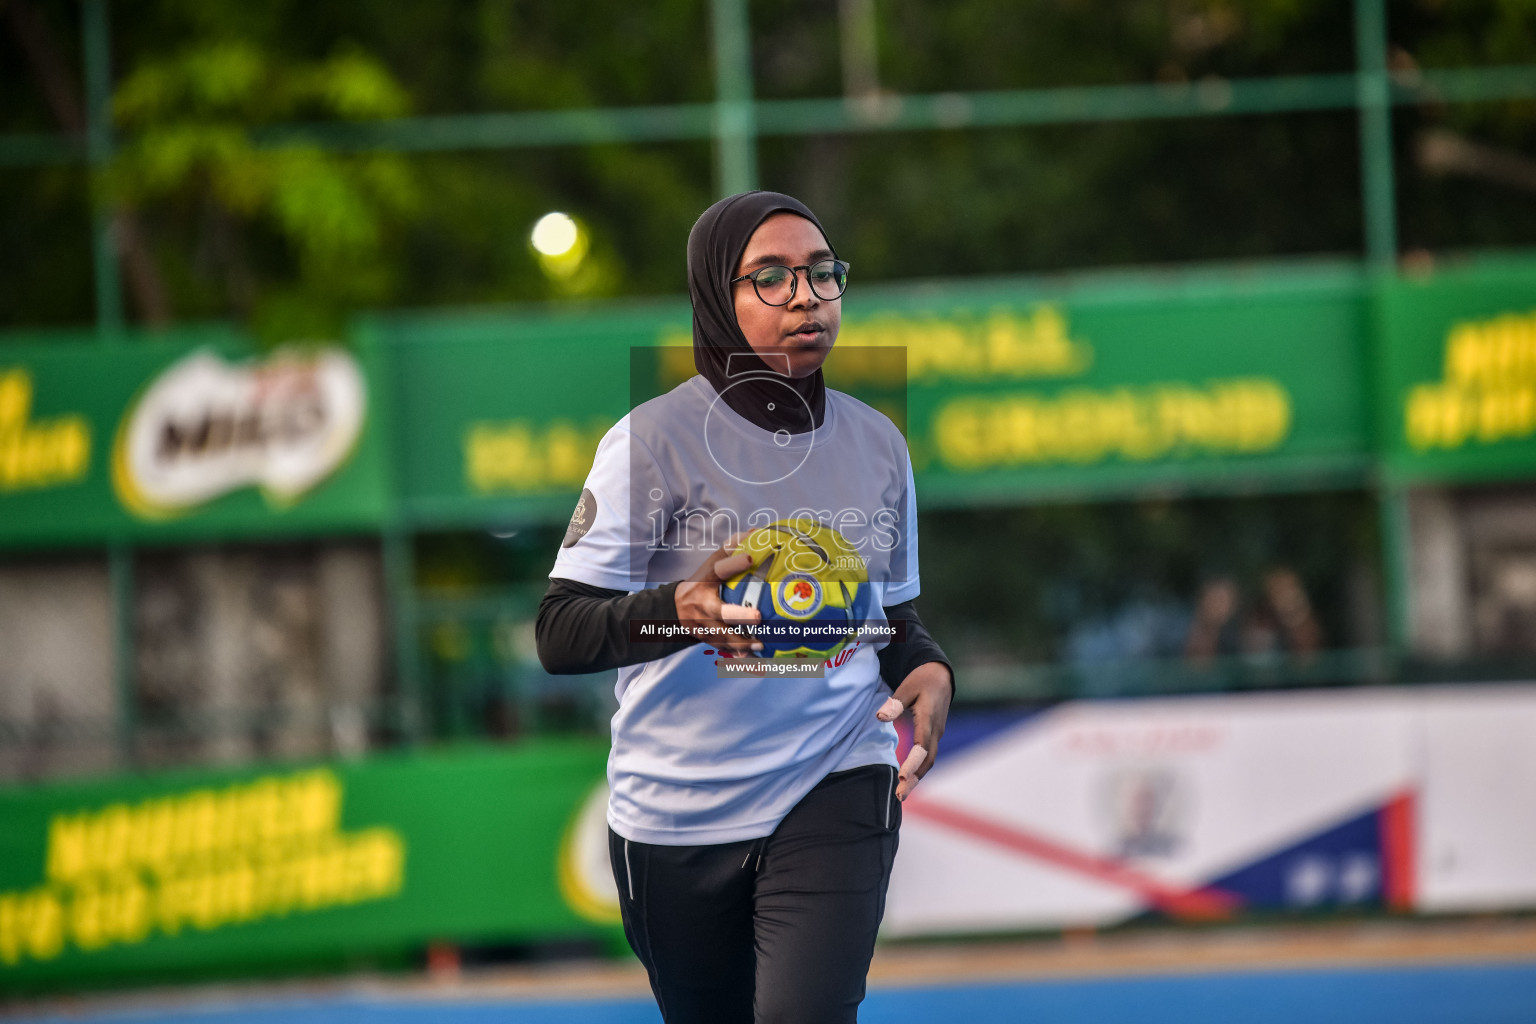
{"x": 292, "y": 239}
{"x": 187, "y": 117}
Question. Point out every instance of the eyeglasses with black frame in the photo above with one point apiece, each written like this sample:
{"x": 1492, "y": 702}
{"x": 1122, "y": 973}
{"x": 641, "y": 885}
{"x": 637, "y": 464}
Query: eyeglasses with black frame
{"x": 775, "y": 285}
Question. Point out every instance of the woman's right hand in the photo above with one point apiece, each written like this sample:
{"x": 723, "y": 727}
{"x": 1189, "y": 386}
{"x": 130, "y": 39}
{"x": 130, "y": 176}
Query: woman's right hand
{"x": 698, "y": 601}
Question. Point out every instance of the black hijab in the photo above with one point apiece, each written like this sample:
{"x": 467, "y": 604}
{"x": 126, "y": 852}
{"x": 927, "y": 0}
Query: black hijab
{"x": 715, "y": 246}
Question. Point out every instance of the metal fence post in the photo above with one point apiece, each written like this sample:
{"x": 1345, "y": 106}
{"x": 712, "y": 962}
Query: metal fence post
{"x": 96, "y": 44}
{"x": 735, "y": 118}
{"x": 121, "y": 580}
{"x": 400, "y": 581}
{"x": 1375, "y": 106}
{"x": 1379, "y": 202}
{"x": 1396, "y": 541}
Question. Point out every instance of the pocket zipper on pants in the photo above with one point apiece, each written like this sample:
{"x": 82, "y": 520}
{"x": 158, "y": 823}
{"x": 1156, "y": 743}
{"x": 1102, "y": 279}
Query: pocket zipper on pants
{"x": 629, "y": 875}
{"x": 757, "y": 848}
{"x": 888, "y": 797}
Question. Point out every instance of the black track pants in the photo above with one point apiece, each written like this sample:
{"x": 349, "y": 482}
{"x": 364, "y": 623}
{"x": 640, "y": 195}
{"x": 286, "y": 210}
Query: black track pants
{"x": 778, "y": 930}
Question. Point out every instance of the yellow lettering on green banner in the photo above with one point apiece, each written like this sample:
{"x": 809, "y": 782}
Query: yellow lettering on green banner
{"x": 203, "y": 859}
{"x": 37, "y": 454}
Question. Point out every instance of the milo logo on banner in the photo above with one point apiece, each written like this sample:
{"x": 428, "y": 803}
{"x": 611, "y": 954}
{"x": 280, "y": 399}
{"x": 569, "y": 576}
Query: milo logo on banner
{"x": 205, "y": 427}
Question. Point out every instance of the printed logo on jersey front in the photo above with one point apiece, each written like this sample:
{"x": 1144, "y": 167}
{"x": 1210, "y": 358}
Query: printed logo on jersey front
{"x": 581, "y": 519}
{"x": 709, "y": 462}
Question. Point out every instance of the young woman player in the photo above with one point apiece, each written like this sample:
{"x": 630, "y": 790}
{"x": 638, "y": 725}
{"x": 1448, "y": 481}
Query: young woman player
{"x": 753, "y": 821}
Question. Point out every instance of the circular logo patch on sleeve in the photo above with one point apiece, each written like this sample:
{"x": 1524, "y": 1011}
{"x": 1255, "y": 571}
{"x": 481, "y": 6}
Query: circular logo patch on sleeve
{"x": 581, "y": 519}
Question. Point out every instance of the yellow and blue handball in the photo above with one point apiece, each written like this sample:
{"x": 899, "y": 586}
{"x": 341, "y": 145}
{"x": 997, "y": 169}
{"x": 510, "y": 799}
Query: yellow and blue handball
{"x": 810, "y": 584}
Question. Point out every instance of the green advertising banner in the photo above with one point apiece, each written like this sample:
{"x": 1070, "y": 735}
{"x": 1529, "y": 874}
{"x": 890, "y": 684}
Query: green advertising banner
{"x": 500, "y": 416}
{"x": 1110, "y": 394}
{"x": 195, "y": 436}
{"x": 1006, "y": 394}
{"x": 1459, "y": 374}
{"x": 291, "y": 865}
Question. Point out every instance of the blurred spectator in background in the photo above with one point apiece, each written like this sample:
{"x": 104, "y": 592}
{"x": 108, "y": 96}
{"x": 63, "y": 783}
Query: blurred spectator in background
{"x": 1281, "y": 620}
{"x": 1213, "y": 630}
{"x": 1292, "y": 609}
{"x": 1147, "y": 626}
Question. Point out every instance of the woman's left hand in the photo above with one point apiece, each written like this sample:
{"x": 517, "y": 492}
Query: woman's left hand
{"x": 925, "y": 694}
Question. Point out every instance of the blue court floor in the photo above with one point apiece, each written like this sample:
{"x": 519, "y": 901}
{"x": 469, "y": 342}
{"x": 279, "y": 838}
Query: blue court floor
{"x": 1405, "y": 994}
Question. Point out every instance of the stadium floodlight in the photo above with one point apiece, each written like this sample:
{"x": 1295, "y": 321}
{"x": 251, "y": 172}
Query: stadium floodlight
{"x": 555, "y": 234}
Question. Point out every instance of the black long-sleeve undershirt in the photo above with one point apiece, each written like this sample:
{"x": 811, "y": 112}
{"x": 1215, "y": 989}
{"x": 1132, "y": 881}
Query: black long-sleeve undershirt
{"x": 582, "y": 628}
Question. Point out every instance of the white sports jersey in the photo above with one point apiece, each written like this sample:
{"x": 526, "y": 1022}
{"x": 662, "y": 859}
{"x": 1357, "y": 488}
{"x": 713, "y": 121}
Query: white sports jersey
{"x": 697, "y": 759}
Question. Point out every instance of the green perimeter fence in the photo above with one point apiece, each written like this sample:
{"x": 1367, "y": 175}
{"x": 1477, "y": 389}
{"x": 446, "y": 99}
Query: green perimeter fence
{"x": 1270, "y": 378}
{"x": 1266, "y": 378}
{"x": 1307, "y": 378}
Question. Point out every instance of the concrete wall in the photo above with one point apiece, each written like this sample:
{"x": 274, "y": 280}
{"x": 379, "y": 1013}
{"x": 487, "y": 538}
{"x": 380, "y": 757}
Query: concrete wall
{"x": 240, "y": 652}
{"x": 259, "y": 651}
{"x": 58, "y": 698}
{"x": 1472, "y": 586}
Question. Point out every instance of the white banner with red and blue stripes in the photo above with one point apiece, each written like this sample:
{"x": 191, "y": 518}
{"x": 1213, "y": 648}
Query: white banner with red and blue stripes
{"x": 1092, "y": 813}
